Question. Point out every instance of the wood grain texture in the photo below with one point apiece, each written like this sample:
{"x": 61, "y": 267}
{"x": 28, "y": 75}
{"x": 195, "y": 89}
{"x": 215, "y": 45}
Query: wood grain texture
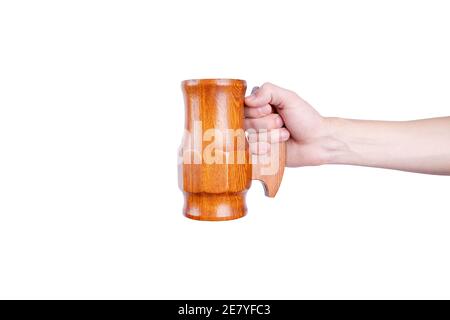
{"x": 271, "y": 182}
{"x": 216, "y": 191}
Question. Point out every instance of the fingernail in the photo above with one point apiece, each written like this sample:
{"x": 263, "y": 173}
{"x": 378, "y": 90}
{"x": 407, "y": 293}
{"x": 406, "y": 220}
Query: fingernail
{"x": 254, "y": 90}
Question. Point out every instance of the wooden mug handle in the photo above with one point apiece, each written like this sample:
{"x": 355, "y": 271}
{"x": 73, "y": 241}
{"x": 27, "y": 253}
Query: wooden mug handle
{"x": 271, "y": 178}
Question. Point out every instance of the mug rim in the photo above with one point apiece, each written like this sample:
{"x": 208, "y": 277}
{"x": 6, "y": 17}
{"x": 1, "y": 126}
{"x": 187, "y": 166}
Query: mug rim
{"x": 215, "y": 81}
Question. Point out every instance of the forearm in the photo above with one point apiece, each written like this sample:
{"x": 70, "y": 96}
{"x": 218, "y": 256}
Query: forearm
{"x": 418, "y": 146}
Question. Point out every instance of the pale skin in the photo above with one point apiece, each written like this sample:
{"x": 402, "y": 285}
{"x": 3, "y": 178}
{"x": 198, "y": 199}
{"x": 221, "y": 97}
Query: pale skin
{"x": 421, "y": 146}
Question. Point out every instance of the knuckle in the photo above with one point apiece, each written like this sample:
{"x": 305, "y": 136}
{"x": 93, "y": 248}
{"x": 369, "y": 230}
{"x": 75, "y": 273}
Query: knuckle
{"x": 291, "y": 95}
{"x": 267, "y": 85}
{"x": 294, "y": 95}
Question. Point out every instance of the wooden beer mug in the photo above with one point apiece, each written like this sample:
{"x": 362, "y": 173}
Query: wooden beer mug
{"x": 215, "y": 168}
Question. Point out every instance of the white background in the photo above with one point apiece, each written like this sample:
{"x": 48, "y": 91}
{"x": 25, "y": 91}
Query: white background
{"x": 91, "y": 116}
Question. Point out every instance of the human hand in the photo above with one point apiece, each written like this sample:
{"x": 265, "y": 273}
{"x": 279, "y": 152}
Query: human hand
{"x": 274, "y": 114}
{"x": 417, "y": 146}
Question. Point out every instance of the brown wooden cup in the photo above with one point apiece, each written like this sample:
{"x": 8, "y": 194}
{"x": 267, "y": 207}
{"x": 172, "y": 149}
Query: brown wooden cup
{"x": 215, "y": 165}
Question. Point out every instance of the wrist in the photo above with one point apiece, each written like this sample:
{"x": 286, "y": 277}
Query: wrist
{"x": 336, "y": 144}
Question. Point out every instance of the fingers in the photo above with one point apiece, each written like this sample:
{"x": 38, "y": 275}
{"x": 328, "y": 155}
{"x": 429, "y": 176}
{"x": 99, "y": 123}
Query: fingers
{"x": 261, "y": 144}
{"x": 259, "y": 147}
{"x": 268, "y": 94}
{"x": 258, "y": 112}
{"x": 263, "y": 126}
{"x": 271, "y": 121}
{"x": 272, "y": 136}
